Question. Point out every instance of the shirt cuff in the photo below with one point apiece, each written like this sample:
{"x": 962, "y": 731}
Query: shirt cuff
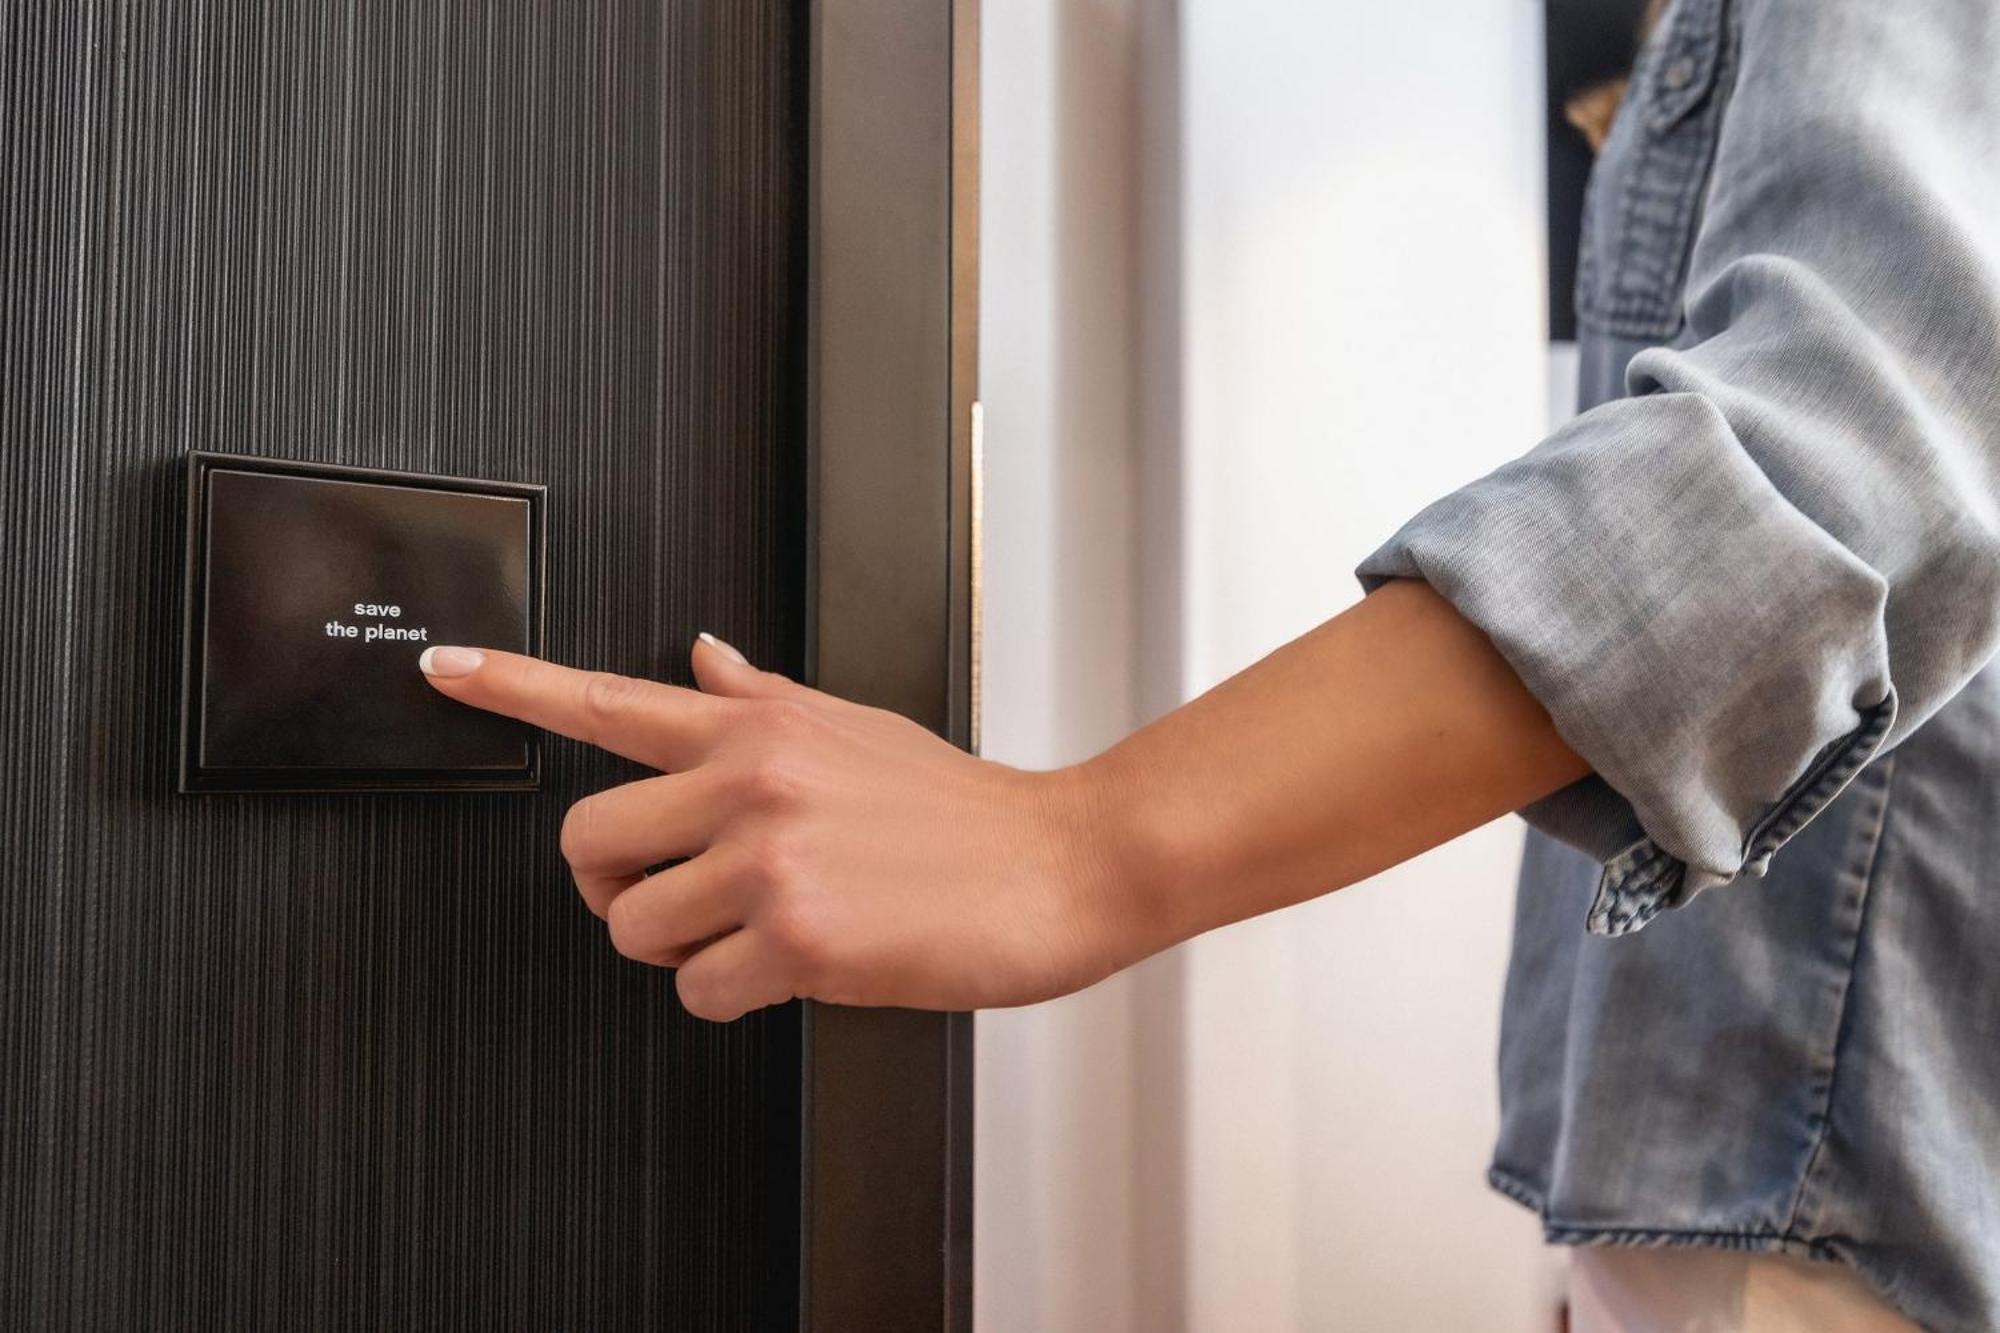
{"x": 1717, "y": 659}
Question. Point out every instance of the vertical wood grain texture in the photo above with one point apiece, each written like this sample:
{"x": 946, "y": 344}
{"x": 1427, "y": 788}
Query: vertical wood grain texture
{"x": 366, "y": 1062}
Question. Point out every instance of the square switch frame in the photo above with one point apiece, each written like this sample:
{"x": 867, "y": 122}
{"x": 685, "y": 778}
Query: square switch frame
{"x": 198, "y": 776}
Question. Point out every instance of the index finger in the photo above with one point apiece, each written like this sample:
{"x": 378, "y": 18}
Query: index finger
{"x": 662, "y": 725}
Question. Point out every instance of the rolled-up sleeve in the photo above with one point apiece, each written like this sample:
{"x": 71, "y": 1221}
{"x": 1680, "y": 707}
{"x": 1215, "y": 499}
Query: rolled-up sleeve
{"x": 1781, "y": 553}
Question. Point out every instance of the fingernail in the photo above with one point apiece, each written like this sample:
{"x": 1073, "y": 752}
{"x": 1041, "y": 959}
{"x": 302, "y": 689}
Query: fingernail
{"x": 724, "y": 649}
{"x": 450, "y": 661}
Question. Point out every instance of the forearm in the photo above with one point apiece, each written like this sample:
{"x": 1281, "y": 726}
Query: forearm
{"x": 814, "y": 847}
{"x": 1390, "y": 729}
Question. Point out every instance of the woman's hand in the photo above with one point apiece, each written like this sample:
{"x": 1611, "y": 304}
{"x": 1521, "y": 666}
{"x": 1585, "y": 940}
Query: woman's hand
{"x": 824, "y": 849}
{"x": 845, "y": 854}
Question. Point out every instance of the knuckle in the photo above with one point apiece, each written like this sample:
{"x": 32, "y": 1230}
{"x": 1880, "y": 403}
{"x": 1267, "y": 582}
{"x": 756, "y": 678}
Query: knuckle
{"x": 793, "y": 930}
{"x": 608, "y": 698}
{"x": 626, "y": 928}
{"x": 770, "y": 782}
{"x": 577, "y": 825}
{"x": 785, "y": 717}
{"x": 771, "y": 867}
{"x": 771, "y": 785}
{"x": 700, "y": 995}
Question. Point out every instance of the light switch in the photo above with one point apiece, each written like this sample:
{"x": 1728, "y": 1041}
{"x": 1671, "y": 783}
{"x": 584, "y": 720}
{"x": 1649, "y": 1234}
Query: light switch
{"x": 313, "y": 589}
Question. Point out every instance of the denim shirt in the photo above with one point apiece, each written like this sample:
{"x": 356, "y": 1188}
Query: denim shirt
{"x": 1755, "y": 994}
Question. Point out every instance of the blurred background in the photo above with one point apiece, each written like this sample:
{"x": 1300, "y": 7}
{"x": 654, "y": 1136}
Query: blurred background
{"x": 1260, "y": 278}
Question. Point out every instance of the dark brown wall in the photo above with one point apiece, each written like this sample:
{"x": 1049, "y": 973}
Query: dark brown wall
{"x": 1585, "y": 42}
{"x": 287, "y": 1062}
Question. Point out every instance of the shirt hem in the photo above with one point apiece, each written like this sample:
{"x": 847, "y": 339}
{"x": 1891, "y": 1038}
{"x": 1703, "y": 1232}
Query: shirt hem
{"x": 1831, "y": 1249}
{"x": 1557, "y": 1231}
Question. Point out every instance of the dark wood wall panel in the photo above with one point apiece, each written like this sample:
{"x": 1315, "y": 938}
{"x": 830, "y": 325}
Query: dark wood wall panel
{"x": 366, "y": 1062}
{"x": 894, "y": 279}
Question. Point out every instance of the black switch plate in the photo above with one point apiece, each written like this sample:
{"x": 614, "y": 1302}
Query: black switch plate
{"x": 311, "y": 592}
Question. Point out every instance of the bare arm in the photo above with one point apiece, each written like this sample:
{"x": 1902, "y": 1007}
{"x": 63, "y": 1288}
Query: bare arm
{"x": 845, "y": 854}
{"x": 1386, "y": 731}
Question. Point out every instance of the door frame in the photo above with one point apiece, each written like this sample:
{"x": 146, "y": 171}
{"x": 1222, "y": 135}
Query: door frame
{"x": 891, "y": 605}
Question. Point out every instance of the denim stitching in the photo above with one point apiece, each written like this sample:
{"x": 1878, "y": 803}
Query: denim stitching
{"x": 1752, "y": 1239}
{"x": 1644, "y": 880}
{"x": 1865, "y": 898}
{"x": 1824, "y": 781}
{"x": 1633, "y": 889}
{"x": 1845, "y": 1249}
{"x": 1640, "y": 294}
{"x": 1696, "y": 26}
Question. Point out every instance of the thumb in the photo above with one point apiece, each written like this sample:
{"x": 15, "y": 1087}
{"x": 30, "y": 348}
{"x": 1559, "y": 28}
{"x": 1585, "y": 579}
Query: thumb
{"x": 720, "y": 669}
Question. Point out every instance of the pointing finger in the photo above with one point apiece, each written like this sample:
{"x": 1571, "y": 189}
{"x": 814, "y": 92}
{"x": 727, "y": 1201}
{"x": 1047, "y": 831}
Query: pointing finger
{"x": 661, "y": 725}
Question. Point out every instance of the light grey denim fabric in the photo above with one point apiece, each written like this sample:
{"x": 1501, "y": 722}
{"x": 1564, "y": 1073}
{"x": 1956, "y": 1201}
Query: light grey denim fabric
{"x": 1758, "y": 592}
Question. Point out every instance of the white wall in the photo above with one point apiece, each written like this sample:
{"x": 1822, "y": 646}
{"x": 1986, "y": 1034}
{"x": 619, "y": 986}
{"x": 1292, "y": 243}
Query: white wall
{"x": 1056, "y": 1237}
{"x": 1261, "y": 277}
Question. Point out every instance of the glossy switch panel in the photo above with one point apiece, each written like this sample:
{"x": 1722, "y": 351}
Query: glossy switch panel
{"x": 312, "y": 590}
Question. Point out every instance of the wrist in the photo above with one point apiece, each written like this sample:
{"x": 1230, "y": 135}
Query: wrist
{"x": 1119, "y": 865}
